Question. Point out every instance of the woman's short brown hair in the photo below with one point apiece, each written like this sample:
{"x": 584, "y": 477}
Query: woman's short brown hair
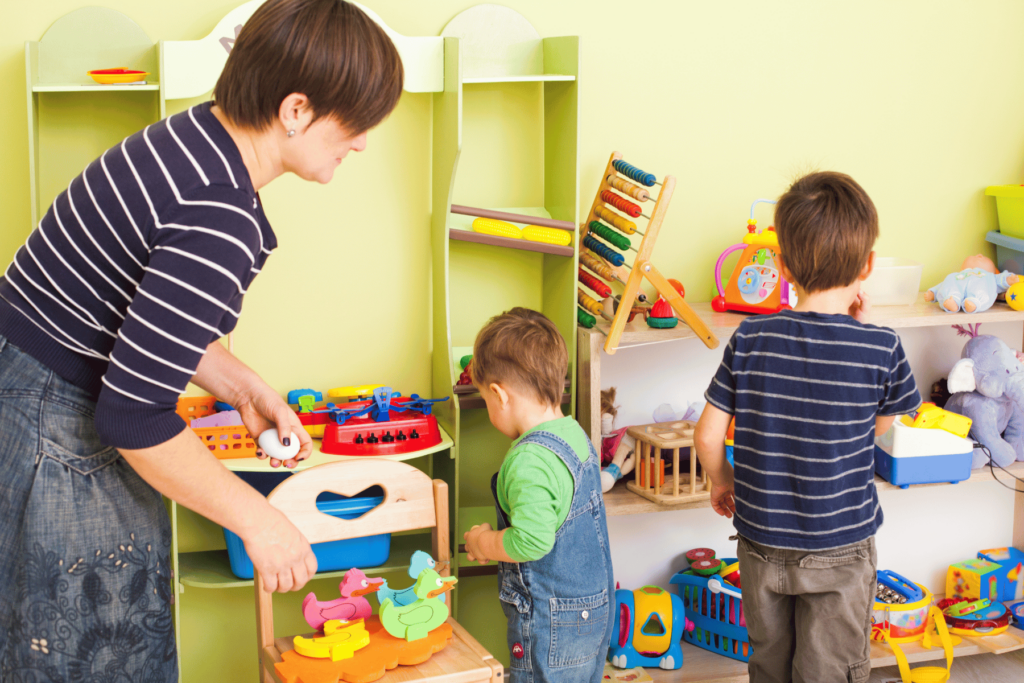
{"x": 327, "y": 50}
{"x": 524, "y": 349}
{"x": 827, "y": 226}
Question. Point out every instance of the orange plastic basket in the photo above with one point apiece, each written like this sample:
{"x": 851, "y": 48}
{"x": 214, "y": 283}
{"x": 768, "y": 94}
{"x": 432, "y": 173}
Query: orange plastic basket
{"x": 228, "y": 442}
{"x": 191, "y": 407}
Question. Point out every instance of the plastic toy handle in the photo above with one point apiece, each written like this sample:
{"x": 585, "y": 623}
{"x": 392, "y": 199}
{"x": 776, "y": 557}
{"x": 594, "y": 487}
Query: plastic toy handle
{"x": 760, "y": 201}
{"x": 887, "y": 576}
{"x": 720, "y": 263}
{"x": 717, "y": 586}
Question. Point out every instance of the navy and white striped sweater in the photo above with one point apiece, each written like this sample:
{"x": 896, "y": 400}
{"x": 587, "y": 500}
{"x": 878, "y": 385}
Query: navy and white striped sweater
{"x": 136, "y": 268}
{"x": 805, "y": 389}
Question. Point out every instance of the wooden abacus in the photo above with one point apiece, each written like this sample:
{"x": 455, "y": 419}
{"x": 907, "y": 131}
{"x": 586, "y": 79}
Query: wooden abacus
{"x": 605, "y": 260}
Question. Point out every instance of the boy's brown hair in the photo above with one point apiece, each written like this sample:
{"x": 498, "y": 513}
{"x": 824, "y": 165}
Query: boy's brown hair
{"x": 827, "y": 226}
{"x": 524, "y": 349}
{"x": 327, "y": 50}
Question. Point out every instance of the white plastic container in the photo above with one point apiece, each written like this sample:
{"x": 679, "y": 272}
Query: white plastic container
{"x": 907, "y": 455}
{"x": 895, "y": 281}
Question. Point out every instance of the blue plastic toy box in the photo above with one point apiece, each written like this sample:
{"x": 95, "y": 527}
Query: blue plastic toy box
{"x": 369, "y": 551}
{"x": 907, "y": 455}
{"x": 717, "y": 615}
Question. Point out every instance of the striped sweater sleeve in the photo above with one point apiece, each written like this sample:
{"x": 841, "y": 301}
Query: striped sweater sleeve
{"x": 899, "y": 393}
{"x": 203, "y": 254}
{"x": 721, "y": 393}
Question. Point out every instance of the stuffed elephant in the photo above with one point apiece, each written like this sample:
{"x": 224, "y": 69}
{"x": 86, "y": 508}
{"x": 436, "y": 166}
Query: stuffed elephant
{"x": 987, "y": 385}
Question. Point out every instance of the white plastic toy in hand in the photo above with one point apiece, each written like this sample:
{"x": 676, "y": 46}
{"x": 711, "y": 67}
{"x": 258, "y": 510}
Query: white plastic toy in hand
{"x": 272, "y": 446}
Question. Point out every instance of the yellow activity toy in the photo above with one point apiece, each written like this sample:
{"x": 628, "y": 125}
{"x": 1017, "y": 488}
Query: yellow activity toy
{"x": 340, "y": 641}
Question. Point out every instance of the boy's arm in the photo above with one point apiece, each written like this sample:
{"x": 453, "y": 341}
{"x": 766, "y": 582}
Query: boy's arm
{"x": 484, "y": 544}
{"x": 709, "y": 440}
{"x": 882, "y": 423}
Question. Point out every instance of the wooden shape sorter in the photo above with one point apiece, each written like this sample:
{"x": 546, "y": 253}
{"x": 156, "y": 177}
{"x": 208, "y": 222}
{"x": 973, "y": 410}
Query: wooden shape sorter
{"x": 368, "y": 664}
{"x": 651, "y": 439}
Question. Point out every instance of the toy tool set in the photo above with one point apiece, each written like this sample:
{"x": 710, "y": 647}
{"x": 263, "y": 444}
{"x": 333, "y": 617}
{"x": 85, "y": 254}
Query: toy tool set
{"x": 756, "y": 284}
{"x": 375, "y": 421}
{"x": 605, "y": 236}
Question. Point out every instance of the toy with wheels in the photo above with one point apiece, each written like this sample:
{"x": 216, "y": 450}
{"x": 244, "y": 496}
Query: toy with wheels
{"x": 648, "y": 629}
{"x": 756, "y": 285}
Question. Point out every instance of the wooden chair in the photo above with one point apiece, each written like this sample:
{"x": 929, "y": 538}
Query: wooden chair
{"x": 411, "y": 501}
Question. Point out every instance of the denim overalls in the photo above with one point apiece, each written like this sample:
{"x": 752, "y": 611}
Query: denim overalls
{"x": 558, "y": 607}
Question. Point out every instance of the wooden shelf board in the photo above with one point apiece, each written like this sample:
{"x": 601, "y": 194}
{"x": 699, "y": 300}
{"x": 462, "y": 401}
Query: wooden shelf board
{"x": 702, "y": 666}
{"x": 919, "y": 314}
{"x": 469, "y": 397}
{"x": 319, "y": 458}
{"x": 93, "y": 87}
{"x": 621, "y": 501}
{"x": 212, "y": 569}
{"x": 536, "y": 78}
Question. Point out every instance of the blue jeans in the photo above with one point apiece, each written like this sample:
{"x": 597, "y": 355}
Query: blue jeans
{"x": 85, "y": 574}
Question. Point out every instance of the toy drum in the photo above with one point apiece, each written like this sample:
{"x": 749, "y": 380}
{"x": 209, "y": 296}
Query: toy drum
{"x": 731, "y": 573}
{"x": 903, "y": 622}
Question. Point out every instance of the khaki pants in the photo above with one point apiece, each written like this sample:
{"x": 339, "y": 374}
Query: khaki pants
{"x": 808, "y": 613}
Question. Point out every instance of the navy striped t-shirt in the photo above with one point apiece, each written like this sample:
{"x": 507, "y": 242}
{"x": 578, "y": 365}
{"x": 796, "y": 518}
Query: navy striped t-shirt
{"x": 136, "y": 268}
{"x": 805, "y": 389}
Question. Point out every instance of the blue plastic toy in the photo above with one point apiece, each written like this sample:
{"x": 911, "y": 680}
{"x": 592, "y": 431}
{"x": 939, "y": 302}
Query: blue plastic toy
{"x": 221, "y": 406}
{"x": 305, "y": 399}
{"x": 648, "y": 628}
{"x": 379, "y": 409}
{"x": 900, "y": 584}
{"x": 420, "y": 561}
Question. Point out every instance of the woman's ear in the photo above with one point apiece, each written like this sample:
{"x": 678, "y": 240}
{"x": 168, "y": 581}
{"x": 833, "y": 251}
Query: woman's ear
{"x": 500, "y": 392}
{"x": 868, "y": 267}
{"x": 295, "y": 114}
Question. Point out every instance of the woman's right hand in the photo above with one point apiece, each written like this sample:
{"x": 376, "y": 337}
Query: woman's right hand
{"x": 280, "y": 553}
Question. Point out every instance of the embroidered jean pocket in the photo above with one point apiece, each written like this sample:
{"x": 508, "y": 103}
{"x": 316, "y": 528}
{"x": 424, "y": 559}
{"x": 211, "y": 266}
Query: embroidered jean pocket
{"x": 837, "y": 558}
{"x": 578, "y": 629}
{"x": 512, "y": 593}
{"x": 69, "y": 437}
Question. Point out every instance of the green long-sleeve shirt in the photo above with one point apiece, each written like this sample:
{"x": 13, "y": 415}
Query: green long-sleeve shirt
{"x": 535, "y": 490}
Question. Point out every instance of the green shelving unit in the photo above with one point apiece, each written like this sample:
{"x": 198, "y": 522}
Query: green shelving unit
{"x": 496, "y": 64}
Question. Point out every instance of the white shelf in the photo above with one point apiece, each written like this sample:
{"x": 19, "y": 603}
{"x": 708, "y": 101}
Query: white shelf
{"x": 537, "y": 78}
{"x": 93, "y": 87}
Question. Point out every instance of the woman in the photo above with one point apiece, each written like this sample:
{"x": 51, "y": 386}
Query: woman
{"x": 116, "y": 301}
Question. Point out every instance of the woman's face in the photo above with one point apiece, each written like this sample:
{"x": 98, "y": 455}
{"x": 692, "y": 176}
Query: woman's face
{"x": 314, "y": 152}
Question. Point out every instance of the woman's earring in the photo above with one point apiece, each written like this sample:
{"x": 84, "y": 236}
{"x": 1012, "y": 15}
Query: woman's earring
{"x": 291, "y": 133}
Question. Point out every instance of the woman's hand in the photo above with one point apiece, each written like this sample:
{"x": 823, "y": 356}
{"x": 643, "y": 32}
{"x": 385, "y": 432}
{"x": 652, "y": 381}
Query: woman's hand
{"x": 262, "y": 408}
{"x": 280, "y": 553}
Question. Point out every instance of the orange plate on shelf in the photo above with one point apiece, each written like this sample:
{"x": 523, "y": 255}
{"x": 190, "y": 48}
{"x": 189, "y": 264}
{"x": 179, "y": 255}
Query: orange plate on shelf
{"x": 119, "y": 75}
{"x": 368, "y": 664}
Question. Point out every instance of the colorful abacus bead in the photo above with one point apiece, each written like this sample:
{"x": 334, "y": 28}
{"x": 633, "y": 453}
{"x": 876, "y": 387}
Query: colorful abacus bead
{"x": 603, "y": 250}
{"x": 537, "y": 233}
{"x": 618, "y": 222}
{"x": 588, "y": 302}
{"x": 594, "y": 263}
{"x": 490, "y": 226}
{"x": 621, "y": 203}
{"x": 603, "y": 290}
{"x": 626, "y": 187}
{"x": 634, "y": 173}
{"x": 617, "y": 239}
{"x": 585, "y": 319}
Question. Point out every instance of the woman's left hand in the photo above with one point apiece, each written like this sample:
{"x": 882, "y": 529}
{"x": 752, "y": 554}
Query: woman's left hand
{"x": 263, "y": 408}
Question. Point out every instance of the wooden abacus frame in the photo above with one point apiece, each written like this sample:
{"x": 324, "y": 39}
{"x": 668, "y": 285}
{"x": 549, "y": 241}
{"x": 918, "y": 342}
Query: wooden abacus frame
{"x": 642, "y": 266}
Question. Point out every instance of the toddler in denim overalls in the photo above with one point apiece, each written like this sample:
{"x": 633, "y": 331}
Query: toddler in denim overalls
{"x": 556, "y": 584}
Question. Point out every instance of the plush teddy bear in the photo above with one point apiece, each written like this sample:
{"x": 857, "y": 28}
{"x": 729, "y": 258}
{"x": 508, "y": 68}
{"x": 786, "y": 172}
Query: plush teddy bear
{"x": 617, "y": 447}
{"x": 974, "y": 288}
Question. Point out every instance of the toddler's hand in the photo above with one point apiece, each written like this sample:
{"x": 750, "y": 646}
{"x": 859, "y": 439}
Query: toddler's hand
{"x": 861, "y": 307}
{"x": 472, "y": 538}
{"x": 723, "y": 500}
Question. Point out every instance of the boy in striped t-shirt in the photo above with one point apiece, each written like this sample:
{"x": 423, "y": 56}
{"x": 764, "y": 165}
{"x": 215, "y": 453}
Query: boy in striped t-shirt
{"x": 809, "y": 389}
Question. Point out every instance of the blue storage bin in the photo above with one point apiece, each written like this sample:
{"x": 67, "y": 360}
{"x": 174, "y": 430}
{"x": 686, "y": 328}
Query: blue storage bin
{"x": 719, "y": 623}
{"x": 1009, "y": 252}
{"x": 366, "y": 552}
{"x": 923, "y": 469}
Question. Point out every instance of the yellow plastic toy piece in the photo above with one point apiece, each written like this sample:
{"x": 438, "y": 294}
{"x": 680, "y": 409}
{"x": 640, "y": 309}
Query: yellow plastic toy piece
{"x": 537, "y": 233}
{"x": 928, "y": 674}
{"x": 363, "y": 391}
{"x": 490, "y": 226}
{"x": 1015, "y": 296}
{"x": 930, "y": 416}
{"x": 340, "y": 641}
{"x": 653, "y": 618}
{"x": 765, "y": 238}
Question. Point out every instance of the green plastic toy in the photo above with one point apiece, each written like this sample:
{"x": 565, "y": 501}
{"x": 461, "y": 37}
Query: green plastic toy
{"x": 416, "y": 620}
{"x": 464, "y": 361}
